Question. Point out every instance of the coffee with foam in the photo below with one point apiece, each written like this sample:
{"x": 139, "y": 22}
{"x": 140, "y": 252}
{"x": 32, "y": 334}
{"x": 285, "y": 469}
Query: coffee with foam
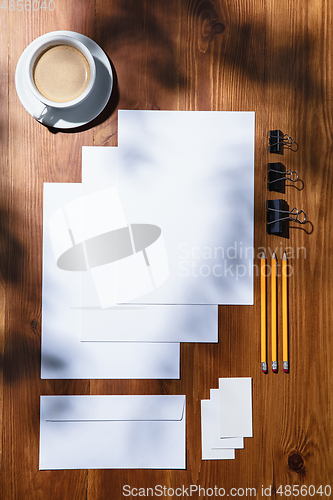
{"x": 61, "y": 73}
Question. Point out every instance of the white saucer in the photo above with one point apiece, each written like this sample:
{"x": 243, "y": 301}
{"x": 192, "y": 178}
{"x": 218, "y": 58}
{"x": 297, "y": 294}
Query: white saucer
{"x": 84, "y": 112}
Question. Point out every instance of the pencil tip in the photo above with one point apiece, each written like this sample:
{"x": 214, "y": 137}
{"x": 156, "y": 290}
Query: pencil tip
{"x": 263, "y": 255}
{"x": 284, "y": 256}
{"x": 274, "y": 256}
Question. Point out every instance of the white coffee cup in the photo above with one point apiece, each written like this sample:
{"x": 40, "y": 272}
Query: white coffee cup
{"x": 45, "y": 104}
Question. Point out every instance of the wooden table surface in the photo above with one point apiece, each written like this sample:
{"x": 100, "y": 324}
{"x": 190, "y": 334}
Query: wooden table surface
{"x": 272, "y": 57}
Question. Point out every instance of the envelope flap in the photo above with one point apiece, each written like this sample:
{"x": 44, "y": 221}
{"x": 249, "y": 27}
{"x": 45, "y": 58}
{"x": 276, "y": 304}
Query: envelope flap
{"x": 99, "y": 408}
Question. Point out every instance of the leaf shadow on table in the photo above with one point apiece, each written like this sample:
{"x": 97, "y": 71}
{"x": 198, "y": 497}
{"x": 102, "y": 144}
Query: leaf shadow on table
{"x": 130, "y": 32}
{"x": 13, "y": 266}
{"x": 243, "y": 45}
{"x": 145, "y": 44}
{"x": 21, "y": 341}
{"x": 282, "y": 63}
{"x": 12, "y": 262}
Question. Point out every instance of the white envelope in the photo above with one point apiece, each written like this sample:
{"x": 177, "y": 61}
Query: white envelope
{"x": 116, "y": 432}
{"x": 208, "y": 452}
{"x": 64, "y": 356}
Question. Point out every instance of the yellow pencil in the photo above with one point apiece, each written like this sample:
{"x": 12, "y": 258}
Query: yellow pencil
{"x": 273, "y": 318}
{"x": 285, "y": 313}
{"x": 263, "y": 313}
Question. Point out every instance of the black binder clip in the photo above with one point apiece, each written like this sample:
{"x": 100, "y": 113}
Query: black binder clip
{"x": 278, "y": 140}
{"x": 277, "y": 175}
{"x": 279, "y": 215}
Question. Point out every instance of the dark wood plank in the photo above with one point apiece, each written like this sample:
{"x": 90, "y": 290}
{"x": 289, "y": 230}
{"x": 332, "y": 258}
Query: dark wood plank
{"x": 4, "y": 226}
{"x": 33, "y": 155}
{"x": 296, "y": 417}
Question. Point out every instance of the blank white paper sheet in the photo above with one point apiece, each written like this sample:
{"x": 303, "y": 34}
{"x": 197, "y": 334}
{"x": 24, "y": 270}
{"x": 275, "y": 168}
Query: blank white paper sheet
{"x": 235, "y": 411}
{"x": 64, "y": 355}
{"x": 216, "y": 441}
{"x": 136, "y": 322}
{"x": 208, "y": 452}
{"x": 191, "y": 174}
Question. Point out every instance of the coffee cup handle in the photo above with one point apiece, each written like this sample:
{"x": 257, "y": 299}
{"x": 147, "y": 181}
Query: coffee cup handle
{"x": 40, "y": 111}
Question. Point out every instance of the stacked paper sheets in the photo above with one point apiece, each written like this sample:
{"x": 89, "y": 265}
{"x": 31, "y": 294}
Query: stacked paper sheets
{"x": 226, "y": 418}
{"x": 138, "y": 256}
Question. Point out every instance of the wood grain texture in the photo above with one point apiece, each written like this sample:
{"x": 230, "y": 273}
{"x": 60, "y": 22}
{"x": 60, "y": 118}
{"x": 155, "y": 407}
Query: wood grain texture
{"x": 274, "y": 58}
{"x": 298, "y": 100}
{"x": 4, "y": 226}
{"x": 33, "y": 155}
